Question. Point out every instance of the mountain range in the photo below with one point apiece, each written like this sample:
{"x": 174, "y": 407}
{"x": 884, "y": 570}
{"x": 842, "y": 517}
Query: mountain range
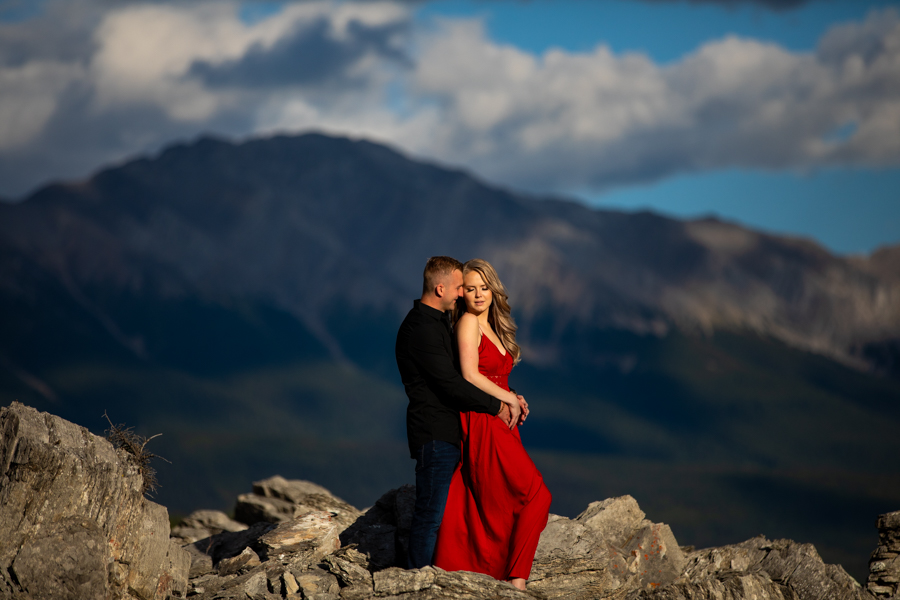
{"x": 243, "y": 298}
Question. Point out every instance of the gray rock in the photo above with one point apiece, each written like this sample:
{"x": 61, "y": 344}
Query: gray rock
{"x": 884, "y": 565}
{"x": 277, "y": 499}
{"x": 431, "y": 583}
{"x": 382, "y": 533}
{"x": 608, "y": 549}
{"x": 614, "y": 519}
{"x": 316, "y": 583}
{"x": 228, "y": 543}
{"x": 244, "y": 561}
{"x": 202, "y": 524}
{"x": 73, "y": 520}
{"x": 313, "y": 535}
{"x": 64, "y": 560}
{"x": 760, "y": 569}
{"x": 350, "y": 567}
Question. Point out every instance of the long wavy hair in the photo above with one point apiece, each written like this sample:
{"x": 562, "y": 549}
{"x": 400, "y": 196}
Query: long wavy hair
{"x": 499, "y": 315}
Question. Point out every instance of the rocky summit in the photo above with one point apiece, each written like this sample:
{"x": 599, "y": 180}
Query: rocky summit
{"x": 75, "y": 526}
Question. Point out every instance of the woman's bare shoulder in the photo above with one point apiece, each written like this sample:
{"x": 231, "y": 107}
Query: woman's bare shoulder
{"x": 468, "y": 318}
{"x": 467, "y": 325}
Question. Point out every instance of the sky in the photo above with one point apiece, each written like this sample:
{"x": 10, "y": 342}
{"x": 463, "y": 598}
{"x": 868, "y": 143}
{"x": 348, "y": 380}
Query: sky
{"x": 783, "y": 115}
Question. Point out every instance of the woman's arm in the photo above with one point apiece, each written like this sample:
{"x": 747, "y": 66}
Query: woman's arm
{"x": 467, "y": 337}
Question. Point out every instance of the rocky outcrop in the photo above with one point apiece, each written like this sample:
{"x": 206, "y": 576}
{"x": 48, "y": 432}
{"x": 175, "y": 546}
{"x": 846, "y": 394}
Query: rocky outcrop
{"x": 277, "y": 499}
{"x": 759, "y": 569}
{"x": 202, "y": 524}
{"x": 884, "y": 566}
{"x": 609, "y": 551}
{"x": 74, "y": 524}
{"x": 382, "y": 534}
{"x": 73, "y": 520}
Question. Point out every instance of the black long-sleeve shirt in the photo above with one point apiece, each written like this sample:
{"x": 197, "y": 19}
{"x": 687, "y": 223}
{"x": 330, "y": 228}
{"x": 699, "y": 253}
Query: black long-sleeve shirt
{"x": 426, "y": 357}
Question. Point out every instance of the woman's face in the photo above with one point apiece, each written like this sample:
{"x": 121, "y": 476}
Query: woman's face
{"x": 476, "y": 293}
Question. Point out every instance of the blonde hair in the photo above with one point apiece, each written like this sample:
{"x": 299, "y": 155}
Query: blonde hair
{"x": 499, "y": 315}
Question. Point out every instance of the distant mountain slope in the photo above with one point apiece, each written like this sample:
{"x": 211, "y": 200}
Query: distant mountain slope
{"x": 310, "y": 223}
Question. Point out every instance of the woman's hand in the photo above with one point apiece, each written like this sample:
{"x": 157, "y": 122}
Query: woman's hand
{"x": 524, "y": 406}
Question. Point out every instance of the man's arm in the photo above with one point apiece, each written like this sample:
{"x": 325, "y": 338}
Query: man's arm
{"x": 427, "y": 346}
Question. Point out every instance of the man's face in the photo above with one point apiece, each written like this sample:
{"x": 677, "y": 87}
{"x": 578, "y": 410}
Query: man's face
{"x": 453, "y": 289}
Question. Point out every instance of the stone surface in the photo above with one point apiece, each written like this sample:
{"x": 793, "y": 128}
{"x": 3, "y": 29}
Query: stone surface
{"x": 350, "y": 566}
{"x": 278, "y": 499}
{"x": 314, "y": 534}
{"x": 74, "y": 542}
{"x": 607, "y": 549}
{"x": 760, "y": 569}
{"x": 73, "y": 520}
{"x": 202, "y": 524}
{"x": 382, "y": 533}
{"x": 244, "y": 561}
{"x": 67, "y": 559}
{"x": 884, "y": 564}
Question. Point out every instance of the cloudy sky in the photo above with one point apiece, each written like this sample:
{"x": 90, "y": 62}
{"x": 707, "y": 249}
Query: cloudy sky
{"x": 780, "y": 114}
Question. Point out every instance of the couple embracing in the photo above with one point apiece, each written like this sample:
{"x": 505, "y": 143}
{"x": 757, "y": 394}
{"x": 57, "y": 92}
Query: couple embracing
{"x": 481, "y": 504}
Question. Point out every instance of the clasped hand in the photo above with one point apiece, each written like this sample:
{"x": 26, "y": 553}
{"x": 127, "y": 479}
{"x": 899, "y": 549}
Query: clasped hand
{"x": 514, "y": 411}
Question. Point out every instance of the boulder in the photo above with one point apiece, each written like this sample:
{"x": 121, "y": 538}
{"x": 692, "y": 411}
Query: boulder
{"x": 278, "y": 499}
{"x": 608, "y": 548}
{"x": 760, "y": 569}
{"x": 73, "y": 519}
{"x": 382, "y": 533}
{"x": 202, "y": 524}
{"x": 430, "y": 583}
{"x": 884, "y": 564}
{"x": 313, "y": 535}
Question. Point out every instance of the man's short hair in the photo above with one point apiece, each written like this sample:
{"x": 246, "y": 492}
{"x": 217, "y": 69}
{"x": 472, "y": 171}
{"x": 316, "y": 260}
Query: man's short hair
{"x": 436, "y": 269}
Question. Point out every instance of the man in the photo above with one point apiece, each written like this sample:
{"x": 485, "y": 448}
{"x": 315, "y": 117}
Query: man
{"x": 437, "y": 393}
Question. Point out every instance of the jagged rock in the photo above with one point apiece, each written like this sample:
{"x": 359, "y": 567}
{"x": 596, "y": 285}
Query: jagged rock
{"x": 609, "y": 552}
{"x": 350, "y": 567}
{"x": 73, "y": 520}
{"x": 228, "y": 543}
{"x": 382, "y": 533}
{"x": 608, "y": 548}
{"x": 884, "y": 564}
{"x": 244, "y": 561}
{"x": 313, "y": 535}
{"x": 64, "y": 560}
{"x": 277, "y": 499}
{"x": 731, "y": 586}
{"x": 316, "y": 583}
{"x": 760, "y": 569}
{"x": 202, "y": 524}
{"x": 430, "y": 583}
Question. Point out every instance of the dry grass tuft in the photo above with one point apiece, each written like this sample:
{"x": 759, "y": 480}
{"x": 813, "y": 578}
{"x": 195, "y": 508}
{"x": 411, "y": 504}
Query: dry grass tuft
{"x": 135, "y": 445}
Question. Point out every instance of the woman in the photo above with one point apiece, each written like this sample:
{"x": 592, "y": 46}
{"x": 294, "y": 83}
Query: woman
{"x": 498, "y": 503}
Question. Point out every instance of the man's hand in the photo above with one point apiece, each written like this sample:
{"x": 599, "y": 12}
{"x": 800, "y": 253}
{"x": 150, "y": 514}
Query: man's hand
{"x": 504, "y": 414}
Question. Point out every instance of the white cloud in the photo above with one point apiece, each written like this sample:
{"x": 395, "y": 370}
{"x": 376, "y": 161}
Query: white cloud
{"x": 132, "y": 78}
{"x": 565, "y": 120}
{"x": 28, "y": 98}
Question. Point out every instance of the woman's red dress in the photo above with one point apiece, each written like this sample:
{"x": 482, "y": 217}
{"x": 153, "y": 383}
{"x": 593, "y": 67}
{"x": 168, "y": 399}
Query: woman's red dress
{"x": 498, "y": 504}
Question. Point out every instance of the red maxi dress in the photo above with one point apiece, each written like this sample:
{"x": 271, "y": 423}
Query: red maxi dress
{"x": 498, "y": 504}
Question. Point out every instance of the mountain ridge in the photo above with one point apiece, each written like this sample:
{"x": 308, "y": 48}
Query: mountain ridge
{"x": 176, "y": 216}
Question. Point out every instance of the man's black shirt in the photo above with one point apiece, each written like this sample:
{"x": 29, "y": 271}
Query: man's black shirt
{"x": 426, "y": 357}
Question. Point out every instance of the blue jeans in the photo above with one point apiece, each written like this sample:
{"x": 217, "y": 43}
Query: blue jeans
{"x": 435, "y": 463}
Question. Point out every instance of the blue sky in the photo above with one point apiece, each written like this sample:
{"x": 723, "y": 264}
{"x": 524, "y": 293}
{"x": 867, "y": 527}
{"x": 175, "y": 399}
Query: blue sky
{"x": 785, "y": 120}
